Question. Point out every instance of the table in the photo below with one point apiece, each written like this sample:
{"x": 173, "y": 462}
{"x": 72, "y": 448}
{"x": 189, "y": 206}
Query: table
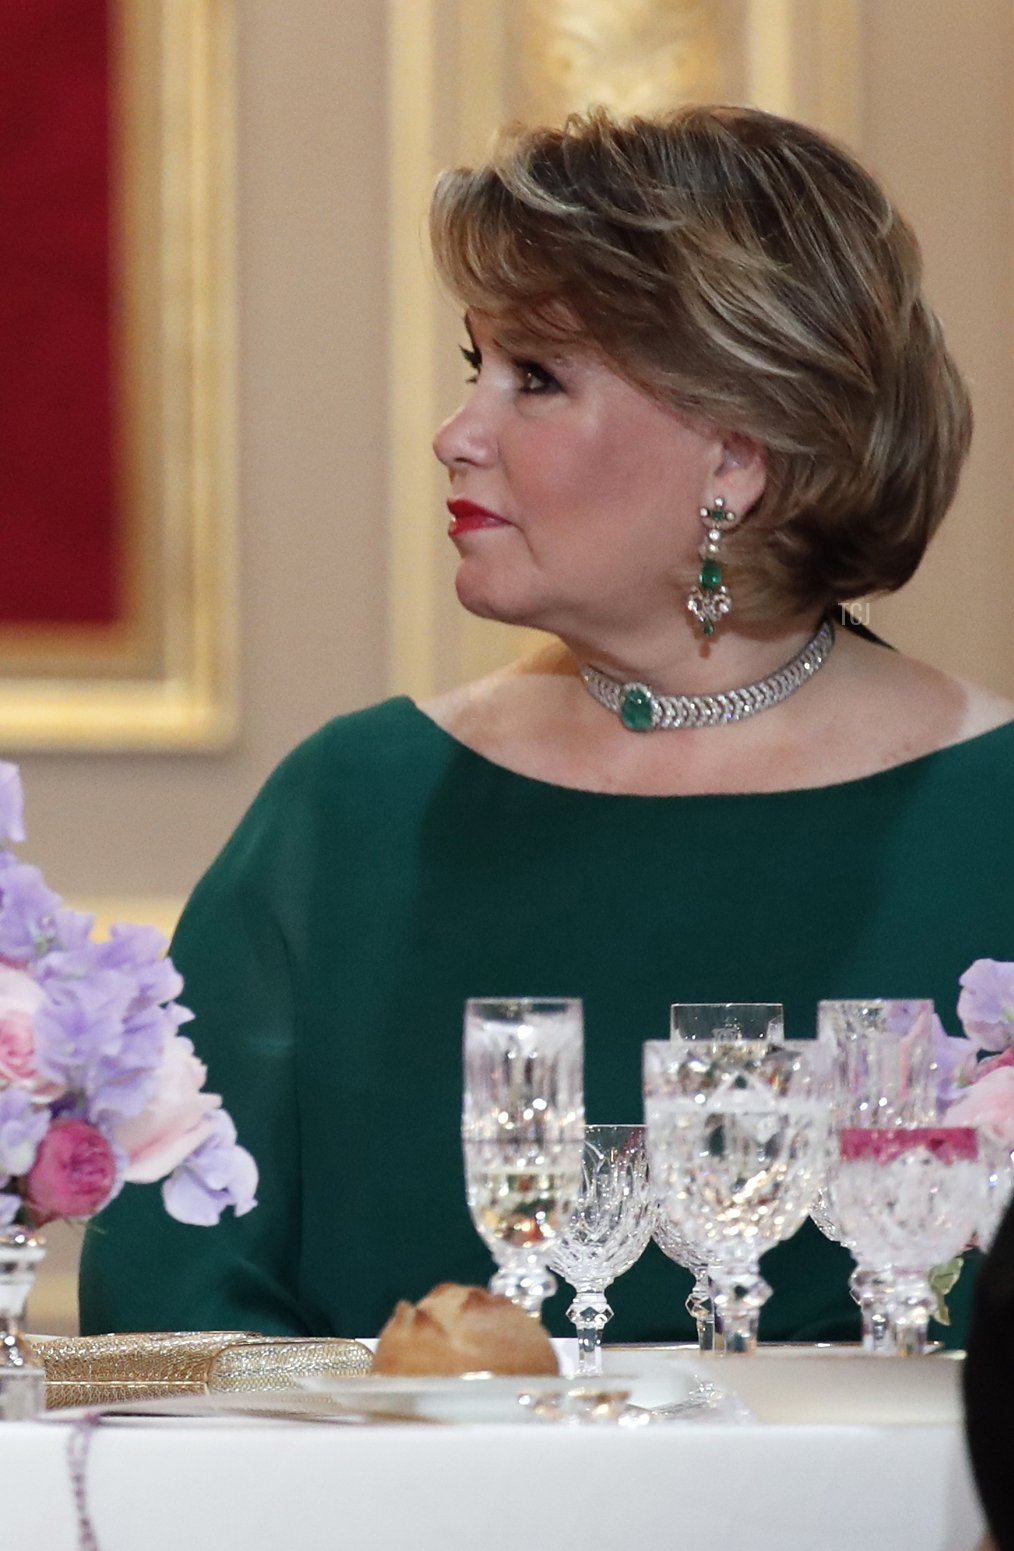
{"x": 213, "y": 1484}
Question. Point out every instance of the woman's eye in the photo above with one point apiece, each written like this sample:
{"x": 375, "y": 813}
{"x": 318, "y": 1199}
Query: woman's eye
{"x": 535, "y": 378}
{"x": 472, "y": 359}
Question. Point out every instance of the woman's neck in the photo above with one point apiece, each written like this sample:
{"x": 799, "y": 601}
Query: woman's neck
{"x": 681, "y": 663}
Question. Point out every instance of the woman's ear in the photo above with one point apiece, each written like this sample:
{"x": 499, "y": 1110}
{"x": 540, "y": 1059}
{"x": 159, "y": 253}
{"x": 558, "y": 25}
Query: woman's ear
{"x": 742, "y": 472}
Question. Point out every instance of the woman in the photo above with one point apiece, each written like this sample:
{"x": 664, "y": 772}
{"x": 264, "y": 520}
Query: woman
{"x": 707, "y": 402}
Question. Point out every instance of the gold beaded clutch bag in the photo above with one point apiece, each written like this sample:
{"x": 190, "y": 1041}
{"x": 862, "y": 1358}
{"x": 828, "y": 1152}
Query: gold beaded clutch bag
{"x": 109, "y": 1370}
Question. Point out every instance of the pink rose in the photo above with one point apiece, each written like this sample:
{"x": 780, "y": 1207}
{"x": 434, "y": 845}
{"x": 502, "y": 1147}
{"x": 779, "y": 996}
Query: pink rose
{"x": 988, "y": 1104}
{"x": 993, "y": 1064}
{"x": 20, "y": 998}
{"x": 175, "y": 1120}
{"x": 73, "y": 1174}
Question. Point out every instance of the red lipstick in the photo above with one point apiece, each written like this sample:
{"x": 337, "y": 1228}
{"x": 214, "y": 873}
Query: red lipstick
{"x": 466, "y": 517}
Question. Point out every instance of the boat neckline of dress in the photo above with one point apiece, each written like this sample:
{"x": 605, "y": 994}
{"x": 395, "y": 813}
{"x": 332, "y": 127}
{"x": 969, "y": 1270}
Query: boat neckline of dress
{"x": 949, "y": 751}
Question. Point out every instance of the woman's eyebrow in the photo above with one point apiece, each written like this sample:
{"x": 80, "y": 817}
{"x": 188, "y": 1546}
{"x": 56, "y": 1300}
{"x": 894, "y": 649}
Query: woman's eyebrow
{"x": 518, "y": 342}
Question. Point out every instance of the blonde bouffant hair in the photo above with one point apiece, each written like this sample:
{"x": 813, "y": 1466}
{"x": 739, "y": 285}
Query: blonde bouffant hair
{"x": 744, "y": 270}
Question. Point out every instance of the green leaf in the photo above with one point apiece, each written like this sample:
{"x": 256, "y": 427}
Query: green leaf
{"x": 941, "y": 1279}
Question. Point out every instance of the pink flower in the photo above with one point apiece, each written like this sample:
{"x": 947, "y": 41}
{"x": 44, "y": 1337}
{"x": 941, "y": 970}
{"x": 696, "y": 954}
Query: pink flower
{"x": 175, "y": 1120}
{"x": 20, "y": 998}
{"x": 73, "y": 1174}
{"x": 993, "y": 1064}
{"x": 988, "y": 1104}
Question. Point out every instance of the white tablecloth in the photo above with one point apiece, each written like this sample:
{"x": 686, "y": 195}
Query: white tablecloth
{"x": 216, "y": 1484}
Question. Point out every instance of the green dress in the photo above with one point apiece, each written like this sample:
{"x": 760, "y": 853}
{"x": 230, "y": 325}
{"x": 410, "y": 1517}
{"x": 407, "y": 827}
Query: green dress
{"x": 386, "y": 872}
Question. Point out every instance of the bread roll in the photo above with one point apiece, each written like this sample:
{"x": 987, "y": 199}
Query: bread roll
{"x": 458, "y": 1329}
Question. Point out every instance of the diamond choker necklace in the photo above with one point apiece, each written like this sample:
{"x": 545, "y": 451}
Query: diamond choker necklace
{"x": 640, "y": 709}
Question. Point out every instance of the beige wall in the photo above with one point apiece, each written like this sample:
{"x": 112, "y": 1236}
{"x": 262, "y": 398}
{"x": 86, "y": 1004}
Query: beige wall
{"x": 936, "y": 119}
{"x": 939, "y": 127}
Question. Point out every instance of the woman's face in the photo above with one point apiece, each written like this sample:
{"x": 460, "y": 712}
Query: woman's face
{"x": 574, "y": 496}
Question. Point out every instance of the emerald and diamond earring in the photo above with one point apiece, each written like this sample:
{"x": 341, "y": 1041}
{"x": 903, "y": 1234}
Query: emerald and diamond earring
{"x": 710, "y": 599}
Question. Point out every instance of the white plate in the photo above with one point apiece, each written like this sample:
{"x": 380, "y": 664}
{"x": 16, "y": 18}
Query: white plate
{"x": 493, "y": 1398}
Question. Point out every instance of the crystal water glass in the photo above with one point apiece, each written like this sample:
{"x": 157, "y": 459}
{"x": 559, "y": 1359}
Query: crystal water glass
{"x": 884, "y": 1073}
{"x": 737, "y": 1132}
{"x": 727, "y": 1020}
{"x": 907, "y": 1198}
{"x": 607, "y": 1232}
{"x": 522, "y": 1131}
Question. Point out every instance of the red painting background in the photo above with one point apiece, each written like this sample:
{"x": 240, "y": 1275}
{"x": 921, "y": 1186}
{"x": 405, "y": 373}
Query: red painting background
{"x": 60, "y": 531}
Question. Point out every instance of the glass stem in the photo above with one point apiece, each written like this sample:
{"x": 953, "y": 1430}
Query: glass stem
{"x": 910, "y": 1302}
{"x": 867, "y": 1289}
{"x": 589, "y": 1314}
{"x": 739, "y": 1296}
{"x": 702, "y": 1311}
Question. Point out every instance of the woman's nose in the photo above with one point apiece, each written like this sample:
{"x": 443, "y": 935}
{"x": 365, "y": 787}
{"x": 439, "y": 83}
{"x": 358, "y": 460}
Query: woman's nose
{"x": 466, "y": 437}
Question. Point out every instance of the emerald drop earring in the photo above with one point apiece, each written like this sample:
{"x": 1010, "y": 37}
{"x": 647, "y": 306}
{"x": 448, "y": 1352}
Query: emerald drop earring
{"x": 710, "y": 599}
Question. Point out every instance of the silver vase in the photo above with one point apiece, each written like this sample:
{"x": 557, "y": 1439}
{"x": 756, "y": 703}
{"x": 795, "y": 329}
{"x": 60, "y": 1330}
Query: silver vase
{"x": 22, "y": 1374}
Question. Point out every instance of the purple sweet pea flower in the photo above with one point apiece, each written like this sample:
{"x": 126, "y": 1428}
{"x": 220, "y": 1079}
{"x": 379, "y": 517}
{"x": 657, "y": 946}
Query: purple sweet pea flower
{"x": 954, "y": 1058}
{"x": 80, "y": 1023}
{"x": 22, "y": 1127}
{"x": 26, "y": 912}
{"x": 72, "y": 930}
{"x": 12, "y": 804}
{"x": 139, "y": 951}
{"x": 217, "y": 1174}
{"x": 986, "y": 1004}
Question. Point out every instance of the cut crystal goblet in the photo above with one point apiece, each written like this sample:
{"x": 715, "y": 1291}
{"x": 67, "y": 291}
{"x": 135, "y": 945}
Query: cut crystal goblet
{"x": 884, "y": 1073}
{"x": 736, "y": 1142}
{"x": 607, "y": 1232}
{"x": 907, "y": 1198}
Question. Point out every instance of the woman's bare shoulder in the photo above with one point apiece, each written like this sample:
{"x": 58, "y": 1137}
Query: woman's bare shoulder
{"x": 925, "y": 706}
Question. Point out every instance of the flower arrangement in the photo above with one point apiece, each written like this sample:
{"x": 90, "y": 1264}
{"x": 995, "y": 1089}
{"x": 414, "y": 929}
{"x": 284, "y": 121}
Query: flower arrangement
{"x": 97, "y": 1086}
{"x": 978, "y": 1071}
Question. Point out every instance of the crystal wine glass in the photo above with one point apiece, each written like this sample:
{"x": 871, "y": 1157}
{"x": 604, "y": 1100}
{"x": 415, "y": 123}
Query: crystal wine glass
{"x": 607, "y": 1232}
{"x": 908, "y": 1198}
{"x": 715, "y": 1021}
{"x": 883, "y": 1074}
{"x": 522, "y": 1132}
{"x": 736, "y": 1140}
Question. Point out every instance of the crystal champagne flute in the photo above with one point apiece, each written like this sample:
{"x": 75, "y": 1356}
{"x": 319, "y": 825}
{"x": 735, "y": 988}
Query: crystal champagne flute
{"x": 522, "y": 1133}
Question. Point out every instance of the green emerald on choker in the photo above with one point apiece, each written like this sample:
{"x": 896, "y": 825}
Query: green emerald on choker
{"x": 640, "y": 709}
{"x": 637, "y": 708}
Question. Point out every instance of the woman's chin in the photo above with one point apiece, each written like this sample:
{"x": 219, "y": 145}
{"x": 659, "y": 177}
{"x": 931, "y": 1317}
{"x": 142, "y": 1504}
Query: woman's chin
{"x": 492, "y": 603}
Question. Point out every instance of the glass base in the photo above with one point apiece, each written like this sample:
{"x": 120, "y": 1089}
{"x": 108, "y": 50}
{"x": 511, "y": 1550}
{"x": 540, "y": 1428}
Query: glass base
{"x": 527, "y": 1286}
{"x": 22, "y": 1379}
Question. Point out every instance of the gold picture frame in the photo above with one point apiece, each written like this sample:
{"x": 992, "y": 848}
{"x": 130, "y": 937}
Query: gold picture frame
{"x": 163, "y": 675}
